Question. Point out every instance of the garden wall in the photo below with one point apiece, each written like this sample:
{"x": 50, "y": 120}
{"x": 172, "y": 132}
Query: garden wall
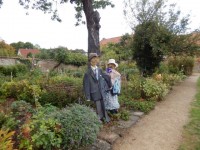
{"x": 44, "y": 65}
{"x": 7, "y": 61}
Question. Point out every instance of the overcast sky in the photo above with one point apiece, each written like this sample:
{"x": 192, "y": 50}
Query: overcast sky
{"x": 38, "y": 28}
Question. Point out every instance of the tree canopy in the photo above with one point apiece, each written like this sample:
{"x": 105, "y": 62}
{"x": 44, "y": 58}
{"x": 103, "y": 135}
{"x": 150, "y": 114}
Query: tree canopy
{"x": 89, "y": 7}
{"x": 64, "y": 56}
{"x": 6, "y": 49}
{"x": 158, "y": 30}
{"x": 23, "y": 45}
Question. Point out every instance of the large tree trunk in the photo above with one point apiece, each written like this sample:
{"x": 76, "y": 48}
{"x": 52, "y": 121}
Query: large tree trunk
{"x": 93, "y": 26}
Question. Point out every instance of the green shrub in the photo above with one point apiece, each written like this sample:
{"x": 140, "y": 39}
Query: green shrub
{"x": 128, "y": 69}
{"x": 183, "y": 64}
{"x": 15, "y": 69}
{"x": 171, "y": 79}
{"x": 4, "y": 78}
{"x": 21, "y": 90}
{"x": 79, "y": 124}
{"x": 163, "y": 68}
{"x": 124, "y": 114}
{"x": 62, "y": 91}
{"x": 10, "y": 123}
{"x": 21, "y": 107}
{"x": 132, "y": 89}
{"x": 19, "y": 116}
{"x": 27, "y": 62}
{"x": 76, "y": 59}
{"x": 72, "y": 81}
{"x": 69, "y": 128}
{"x": 153, "y": 88}
{"x": 8, "y": 89}
{"x": 45, "y": 129}
{"x": 144, "y": 106}
{"x": 19, "y": 111}
{"x": 78, "y": 74}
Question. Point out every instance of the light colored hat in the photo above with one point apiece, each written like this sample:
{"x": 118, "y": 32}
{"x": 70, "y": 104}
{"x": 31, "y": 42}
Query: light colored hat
{"x": 112, "y": 61}
{"x": 91, "y": 55}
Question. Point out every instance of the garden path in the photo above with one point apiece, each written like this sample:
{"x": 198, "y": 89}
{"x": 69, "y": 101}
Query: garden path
{"x": 162, "y": 128}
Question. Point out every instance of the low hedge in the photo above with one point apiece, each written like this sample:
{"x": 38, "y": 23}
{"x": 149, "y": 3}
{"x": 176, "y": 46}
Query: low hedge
{"x": 61, "y": 91}
{"x": 14, "y": 69}
{"x": 21, "y": 90}
{"x": 181, "y": 63}
{"x": 136, "y": 105}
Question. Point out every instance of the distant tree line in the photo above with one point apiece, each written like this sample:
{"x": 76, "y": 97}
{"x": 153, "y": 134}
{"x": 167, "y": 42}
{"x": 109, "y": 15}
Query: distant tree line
{"x": 6, "y": 50}
{"x": 77, "y": 57}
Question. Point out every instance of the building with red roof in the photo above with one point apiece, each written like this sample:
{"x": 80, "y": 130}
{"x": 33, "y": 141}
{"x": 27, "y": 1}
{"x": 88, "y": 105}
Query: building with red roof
{"x": 25, "y": 52}
{"x": 113, "y": 40}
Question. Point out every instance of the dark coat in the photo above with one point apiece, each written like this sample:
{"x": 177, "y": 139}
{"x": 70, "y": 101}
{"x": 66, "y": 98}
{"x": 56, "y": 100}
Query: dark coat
{"x": 95, "y": 89}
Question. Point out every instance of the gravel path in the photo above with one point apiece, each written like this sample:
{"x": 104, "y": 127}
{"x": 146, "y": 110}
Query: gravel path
{"x": 161, "y": 129}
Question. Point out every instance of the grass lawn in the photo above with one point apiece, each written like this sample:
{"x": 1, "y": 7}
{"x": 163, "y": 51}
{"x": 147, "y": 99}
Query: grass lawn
{"x": 191, "y": 134}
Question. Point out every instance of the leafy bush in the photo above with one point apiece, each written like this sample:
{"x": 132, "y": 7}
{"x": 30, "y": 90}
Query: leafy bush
{"x": 65, "y": 56}
{"x": 79, "y": 73}
{"x": 17, "y": 120}
{"x": 20, "y": 115}
{"x": 153, "y": 88}
{"x": 69, "y": 128}
{"x": 79, "y": 124}
{"x": 183, "y": 64}
{"x": 20, "y": 111}
{"x": 76, "y": 59}
{"x": 15, "y": 69}
{"x": 6, "y": 49}
{"x": 144, "y": 106}
{"x": 20, "y": 108}
{"x": 6, "y": 142}
{"x": 124, "y": 114}
{"x": 171, "y": 79}
{"x": 3, "y": 79}
{"x": 62, "y": 91}
{"x": 163, "y": 68}
{"x": 10, "y": 122}
{"x": 45, "y": 129}
{"x": 21, "y": 90}
{"x": 132, "y": 89}
{"x": 128, "y": 69}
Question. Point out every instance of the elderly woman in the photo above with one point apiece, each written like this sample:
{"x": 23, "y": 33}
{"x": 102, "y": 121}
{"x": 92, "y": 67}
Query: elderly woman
{"x": 111, "y": 101}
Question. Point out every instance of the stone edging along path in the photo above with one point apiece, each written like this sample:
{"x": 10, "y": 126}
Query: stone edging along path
{"x": 159, "y": 130}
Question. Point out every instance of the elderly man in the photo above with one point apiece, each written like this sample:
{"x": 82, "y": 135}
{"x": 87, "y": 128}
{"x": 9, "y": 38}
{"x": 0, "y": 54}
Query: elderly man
{"x": 96, "y": 84}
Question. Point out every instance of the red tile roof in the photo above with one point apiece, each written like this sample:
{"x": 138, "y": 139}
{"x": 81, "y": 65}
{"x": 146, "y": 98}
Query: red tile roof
{"x": 197, "y": 36}
{"x": 25, "y": 52}
{"x": 113, "y": 40}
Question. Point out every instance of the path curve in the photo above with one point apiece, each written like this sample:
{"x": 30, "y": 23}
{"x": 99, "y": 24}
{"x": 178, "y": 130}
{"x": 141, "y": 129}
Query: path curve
{"x": 161, "y": 129}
